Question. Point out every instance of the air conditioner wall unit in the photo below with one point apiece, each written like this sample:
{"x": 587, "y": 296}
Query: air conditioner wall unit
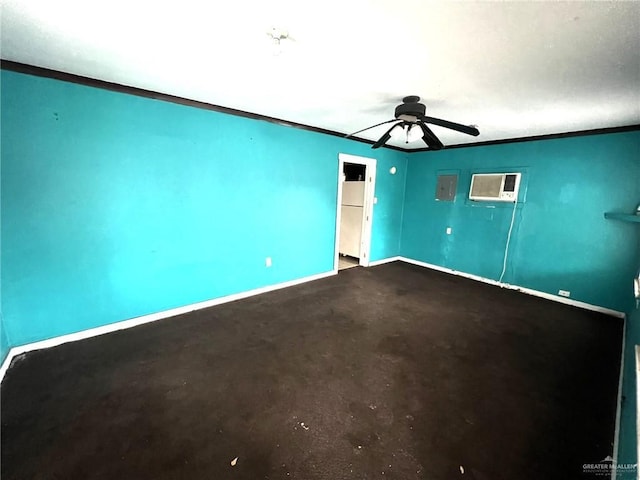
{"x": 495, "y": 187}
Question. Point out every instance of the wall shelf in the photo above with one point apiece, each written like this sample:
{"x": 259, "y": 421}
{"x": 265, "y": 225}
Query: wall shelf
{"x": 625, "y": 217}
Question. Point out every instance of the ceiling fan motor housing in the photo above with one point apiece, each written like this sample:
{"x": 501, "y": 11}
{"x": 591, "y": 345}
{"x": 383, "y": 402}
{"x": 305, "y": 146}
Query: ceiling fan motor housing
{"x": 410, "y": 111}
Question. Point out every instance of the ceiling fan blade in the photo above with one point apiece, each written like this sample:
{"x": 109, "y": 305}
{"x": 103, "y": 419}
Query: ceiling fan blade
{"x": 468, "y": 129}
{"x": 372, "y": 126}
{"x": 385, "y": 138}
{"x": 430, "y": 138}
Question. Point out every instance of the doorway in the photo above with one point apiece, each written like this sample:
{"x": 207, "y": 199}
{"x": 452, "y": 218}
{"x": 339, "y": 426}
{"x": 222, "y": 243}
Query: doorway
{"x": 354, "y": 218}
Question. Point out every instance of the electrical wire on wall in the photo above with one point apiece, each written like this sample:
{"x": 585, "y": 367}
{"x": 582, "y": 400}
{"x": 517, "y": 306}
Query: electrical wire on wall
{"x": 506, "y": 248}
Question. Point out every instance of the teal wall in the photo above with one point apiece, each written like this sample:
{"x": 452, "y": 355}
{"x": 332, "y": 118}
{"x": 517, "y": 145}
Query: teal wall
{"x": 560, "y": 239}
{"x": 4, "y": 341}
{"x": 116, "y": 206}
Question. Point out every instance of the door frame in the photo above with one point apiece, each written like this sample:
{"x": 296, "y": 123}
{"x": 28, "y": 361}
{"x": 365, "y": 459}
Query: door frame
{"x": 369, "y": 201}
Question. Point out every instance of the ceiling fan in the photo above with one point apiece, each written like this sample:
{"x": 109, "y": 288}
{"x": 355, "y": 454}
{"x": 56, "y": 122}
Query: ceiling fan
{"x": 410, "y": 115}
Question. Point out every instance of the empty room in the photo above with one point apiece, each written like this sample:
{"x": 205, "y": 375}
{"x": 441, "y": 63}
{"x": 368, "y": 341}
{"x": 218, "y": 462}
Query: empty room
{"x": 343, "y": 240}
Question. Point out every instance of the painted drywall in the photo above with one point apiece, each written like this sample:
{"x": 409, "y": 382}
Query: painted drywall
{"x": 4, "y": 341}
{"x": 116, "y": 206}
{"x": 389, "y": 194}
{"x": 560, "y": 238}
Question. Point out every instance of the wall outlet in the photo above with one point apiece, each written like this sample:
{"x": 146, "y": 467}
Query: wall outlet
{"x": 448, "y": 230}
{"x": 564, "y": 293}
{"x": 267, "y": 261}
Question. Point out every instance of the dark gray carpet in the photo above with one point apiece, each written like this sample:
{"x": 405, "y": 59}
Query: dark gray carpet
{"x": 391, "y": 372}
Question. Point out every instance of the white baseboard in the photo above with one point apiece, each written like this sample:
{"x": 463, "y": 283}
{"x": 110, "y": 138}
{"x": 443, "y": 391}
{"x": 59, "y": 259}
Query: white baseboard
{"x": 528, "y": 291}
{"x": 134, "y": 322}
{"x": 384, "y": 260}
{"x": 5, "y": 364}
{"x": 113, "y": 327}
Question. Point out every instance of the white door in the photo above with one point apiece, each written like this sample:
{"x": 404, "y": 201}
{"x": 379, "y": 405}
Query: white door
{"x": 365, "y": 214}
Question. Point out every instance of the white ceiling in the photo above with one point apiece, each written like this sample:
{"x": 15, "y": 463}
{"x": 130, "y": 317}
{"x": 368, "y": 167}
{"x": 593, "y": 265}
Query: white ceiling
{"x": 515, "y": 69}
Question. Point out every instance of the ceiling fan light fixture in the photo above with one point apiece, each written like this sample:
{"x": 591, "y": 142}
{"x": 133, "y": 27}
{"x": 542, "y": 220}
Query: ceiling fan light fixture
{"x": 415, "y": 133}
{"x": 399, "y": 132}
{"x": 408, "y": 118}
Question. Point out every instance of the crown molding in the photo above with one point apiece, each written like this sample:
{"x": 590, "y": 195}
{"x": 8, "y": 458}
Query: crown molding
{"x": 116, "y": 87}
